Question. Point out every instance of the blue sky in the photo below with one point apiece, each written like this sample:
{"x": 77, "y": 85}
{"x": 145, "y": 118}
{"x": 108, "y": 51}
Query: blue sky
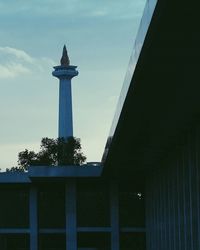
{"x": 99, "y": 36}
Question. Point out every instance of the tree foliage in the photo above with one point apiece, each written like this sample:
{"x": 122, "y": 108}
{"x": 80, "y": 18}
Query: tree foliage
{"x": 52, "y": 152}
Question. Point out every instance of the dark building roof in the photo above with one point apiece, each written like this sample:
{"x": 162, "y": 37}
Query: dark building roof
{"x": 160, "y": 98}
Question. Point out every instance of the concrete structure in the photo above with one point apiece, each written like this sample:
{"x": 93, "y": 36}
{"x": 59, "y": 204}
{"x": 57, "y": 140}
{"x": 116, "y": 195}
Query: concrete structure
{"x": 156, "y": 127}
{"x": 69, "y": 207}
{"x": 145, "y": 193}
{"x": 65, "y": 72}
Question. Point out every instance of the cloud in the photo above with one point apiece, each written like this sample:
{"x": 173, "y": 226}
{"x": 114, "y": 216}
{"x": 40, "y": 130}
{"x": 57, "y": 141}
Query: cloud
{"x": 99, "y": 13}
{"x": 12, "y": 70}
{"x": 19, "y": 54}
{"x": 15, "y": 62}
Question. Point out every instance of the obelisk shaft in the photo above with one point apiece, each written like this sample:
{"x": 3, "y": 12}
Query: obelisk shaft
{"x": 65, "y": 123}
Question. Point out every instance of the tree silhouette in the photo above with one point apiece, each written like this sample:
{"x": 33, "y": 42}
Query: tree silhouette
{"x": 53, "y": 152}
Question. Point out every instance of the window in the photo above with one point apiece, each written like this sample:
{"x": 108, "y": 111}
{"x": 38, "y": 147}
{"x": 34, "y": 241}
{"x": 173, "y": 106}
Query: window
{"x": 97, "y": 241}
{"x": 131, "y": 205}
{"x": 14, "y": 209}
{"x": 51, "y": 206}
{"x": 93, "y": 204}
{"x": 14, "y": 242}
{"x": 52, "y": 242}
{"x": 130, "y": 241}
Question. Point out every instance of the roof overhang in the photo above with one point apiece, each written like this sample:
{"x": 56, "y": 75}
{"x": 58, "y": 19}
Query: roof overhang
{"x": 14, "y": 178}
{"x": 46, "y": 172}
{"x": 51, "y": 173}
{"x": 160, "y": 99}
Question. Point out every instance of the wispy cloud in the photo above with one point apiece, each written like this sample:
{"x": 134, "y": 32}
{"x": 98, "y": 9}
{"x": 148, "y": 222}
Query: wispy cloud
{"x": 12, "y": 70}
{"x": 15, "y": 62}
{"x": 19, "y": 54}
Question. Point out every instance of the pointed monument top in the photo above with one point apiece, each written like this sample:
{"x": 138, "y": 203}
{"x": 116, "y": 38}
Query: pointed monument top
{"x": 64, "y": 61}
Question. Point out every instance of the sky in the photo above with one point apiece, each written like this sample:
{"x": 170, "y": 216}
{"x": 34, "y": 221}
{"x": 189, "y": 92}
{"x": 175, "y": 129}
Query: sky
{"x": 99, "y": 36}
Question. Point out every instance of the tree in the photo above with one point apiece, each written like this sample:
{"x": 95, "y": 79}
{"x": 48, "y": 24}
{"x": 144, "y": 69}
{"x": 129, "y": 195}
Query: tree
{"x": 52, "y": 152}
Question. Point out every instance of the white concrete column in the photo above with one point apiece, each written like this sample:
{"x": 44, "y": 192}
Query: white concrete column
{"x": 70, "y": 208}
{"x": 114, "y": 216}
{"x": 33, "y": 219}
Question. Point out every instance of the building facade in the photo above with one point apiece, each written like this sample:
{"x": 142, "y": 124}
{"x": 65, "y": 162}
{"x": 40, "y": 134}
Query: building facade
{"x": 77, "y": 210}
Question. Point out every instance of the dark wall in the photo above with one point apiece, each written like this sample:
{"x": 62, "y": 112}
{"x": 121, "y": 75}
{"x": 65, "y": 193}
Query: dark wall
{"x": 14, "y": 206}
{"x": 173, "y": 197}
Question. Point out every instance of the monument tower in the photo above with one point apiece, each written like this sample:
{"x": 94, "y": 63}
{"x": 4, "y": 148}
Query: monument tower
{"x": 65, "y": 72}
